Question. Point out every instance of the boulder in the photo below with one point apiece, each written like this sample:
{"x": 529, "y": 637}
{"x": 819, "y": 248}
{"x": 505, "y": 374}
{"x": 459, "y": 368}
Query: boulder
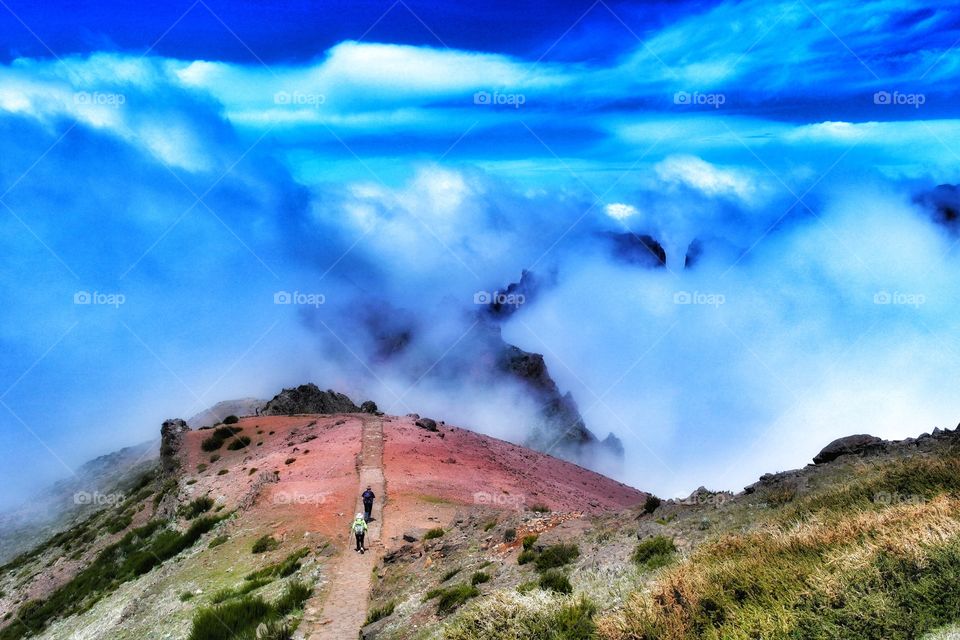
{"x": 308, "y": 398}
{"x": 369, "y": 407}
{"x": 844, "y": 446}
{"x": 428, "y": 424}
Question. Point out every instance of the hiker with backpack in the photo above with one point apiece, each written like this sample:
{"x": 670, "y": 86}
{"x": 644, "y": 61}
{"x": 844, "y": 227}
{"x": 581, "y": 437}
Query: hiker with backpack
{"x": 359, "y": 527}
{"x": 368, "y": 497}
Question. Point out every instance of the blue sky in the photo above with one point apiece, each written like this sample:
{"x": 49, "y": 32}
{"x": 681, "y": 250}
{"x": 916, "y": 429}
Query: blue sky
{"x": 187, "y": 161}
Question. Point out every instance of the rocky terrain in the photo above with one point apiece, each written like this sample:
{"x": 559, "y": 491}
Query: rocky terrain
{"x": 240, "y": 531}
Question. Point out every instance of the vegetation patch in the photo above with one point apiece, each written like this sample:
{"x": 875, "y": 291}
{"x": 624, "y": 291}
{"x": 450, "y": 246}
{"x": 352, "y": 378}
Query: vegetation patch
{"x": 433, "y": 533}
{"x": 264, "y": 544}
{"x": 556, "y": 555}
{"x": 555, "y": 580}
{"x": 289, "y": 566}
{"x": 239, "y": 443}
{"x": 379, "y": 613}
{"x": 535, "y": 615}
{"x": 220, "y": 435}
{"x": 479, "y": 577}
{"x": 139, "y": 551}
{"x": 196, "y": 507}
{"x": 250, "y": 617}
{"x": 654, "y": 553}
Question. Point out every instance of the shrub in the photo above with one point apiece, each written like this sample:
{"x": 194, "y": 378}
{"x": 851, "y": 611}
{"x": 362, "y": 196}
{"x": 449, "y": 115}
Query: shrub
{"x": 557, "y": 555}
{"x": 231, "y": 419}
{"x": 525, "y": 617}
{"x": 201, "y": 467}
{"x": 186, "y": 595}
{"x": 453, "y": 597}
{"x": 214, "y": 458}
{"x": 264, "y": 544}
{"x": 490, "y": 524}
{"x": 245, "y": 588}
{"x": 253, "y": 470}
{"x": 223, "y": 472}
{"x": 651, "y": 503}
{"x": 288, "y": 566}
{"x": 526, "y": 556}
{"x": 449, "y": 574}
{"x": 216, "y": 542}
{"x": 211, "y": 444}
{"x": 479, "y": 577}
{"x": 238, "y": 443}
{"x": 654, "y": 553}
{"x": 529, "y": 541}
{"x": 555, "y": 580}
{"x": 196, "y": 507}
{"x": 293, "y": 598}
{"x": 510, "y": 535}
{"x": 119, "y": 523}
{"x": 228, "y": 620}
{"x": 220, "y": 435}
{"x": 539, "y": 508}
{"x": 378, "y": 613}
{"x": 433, "y": 533}
{"x": 289, "y": 461}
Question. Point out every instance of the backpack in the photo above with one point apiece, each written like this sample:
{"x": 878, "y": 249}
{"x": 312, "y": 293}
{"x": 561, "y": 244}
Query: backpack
{"x": 358, "y": 527}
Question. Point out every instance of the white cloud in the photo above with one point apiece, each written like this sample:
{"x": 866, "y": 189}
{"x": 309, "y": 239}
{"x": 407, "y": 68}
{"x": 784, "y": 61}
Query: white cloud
{"x": 620, "y": 211}
{"x": 707, "y": 178}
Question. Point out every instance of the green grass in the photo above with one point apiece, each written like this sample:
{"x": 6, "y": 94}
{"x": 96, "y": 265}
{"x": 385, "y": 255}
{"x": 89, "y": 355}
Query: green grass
{"x": 226, "y": 594}
{"x": 450, "y": 598}
{"x": 654, "y": 553}
{"x": 529, "y": 541}
{"x": 264, "y": 544}
{"x": 196, "y": 507}
{"x": 875, "y": 556}
{"x": 238, "y": 618}
{"x": 510, "y": 535}
{"x": 379, "y": 613}
{"x": 508, "y": 617}
{"x": 138, "y": 552}
{"x": 490, "y": 524}
{"x": 449, "y": 574}
{"x": 220, "y": 435}
{"x": 288, "y": 566}
{"x": 433, "y": 533}
{"x": 239, "y": 443}
{"x": 216, "y": 542}
{"x": 479, "y": 577}
{"x": 526, "y": 556}
{"x": 555, "y": 580}
{"x": 540, "y": 508}
{"x": 556, "y": 555}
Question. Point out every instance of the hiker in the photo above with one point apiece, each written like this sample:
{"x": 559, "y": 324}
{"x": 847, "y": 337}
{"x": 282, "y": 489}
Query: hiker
{"x": 359, "y": 527}
{"x": 368, "y": 497}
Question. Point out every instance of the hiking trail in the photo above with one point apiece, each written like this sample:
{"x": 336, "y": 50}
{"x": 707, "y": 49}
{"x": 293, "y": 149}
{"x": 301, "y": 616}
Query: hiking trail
{"x": 347, "y": 594}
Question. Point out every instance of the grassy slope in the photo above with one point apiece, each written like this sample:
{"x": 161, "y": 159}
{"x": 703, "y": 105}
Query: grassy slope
{"x": 862, "y": 547}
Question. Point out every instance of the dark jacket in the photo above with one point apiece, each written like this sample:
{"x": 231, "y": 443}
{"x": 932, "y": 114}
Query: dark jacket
{"x": 368, "y": 496}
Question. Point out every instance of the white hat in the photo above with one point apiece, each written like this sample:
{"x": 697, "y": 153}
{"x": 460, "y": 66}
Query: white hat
{"x": 359, "y": 515}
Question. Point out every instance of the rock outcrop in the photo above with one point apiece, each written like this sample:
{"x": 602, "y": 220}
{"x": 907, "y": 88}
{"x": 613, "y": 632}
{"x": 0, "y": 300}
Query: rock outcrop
{"x": 844, "y": 446}
{"x": 308, "y": 398}
{"x": 171, "y": 441}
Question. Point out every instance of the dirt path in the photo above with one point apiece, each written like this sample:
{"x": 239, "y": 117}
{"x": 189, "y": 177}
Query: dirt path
{"x": 345, "y": 607}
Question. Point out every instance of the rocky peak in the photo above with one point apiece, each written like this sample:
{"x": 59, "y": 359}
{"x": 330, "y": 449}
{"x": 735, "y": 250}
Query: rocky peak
{"x": 308, "y": 398}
